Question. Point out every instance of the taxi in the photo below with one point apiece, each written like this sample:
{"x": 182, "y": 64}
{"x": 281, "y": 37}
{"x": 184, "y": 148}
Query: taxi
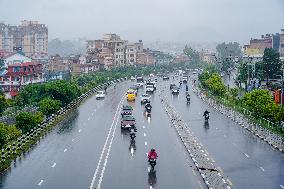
{"x": 131, "y": 95}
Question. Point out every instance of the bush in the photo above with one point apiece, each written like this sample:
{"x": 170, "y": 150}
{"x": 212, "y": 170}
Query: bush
{"x": 49, "y": 106}
{"x": 25, "y": 121}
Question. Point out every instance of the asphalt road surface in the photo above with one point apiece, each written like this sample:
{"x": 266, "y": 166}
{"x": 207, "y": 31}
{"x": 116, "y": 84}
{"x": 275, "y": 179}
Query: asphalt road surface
{"x": 89, "y": 150}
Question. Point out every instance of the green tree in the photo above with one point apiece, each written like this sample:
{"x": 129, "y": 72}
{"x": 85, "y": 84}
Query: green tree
{"x": 215, "y": 85}
{"x": 272, "y": 64}
{"x": 3, "y": 134}
{"x": 12, "y": 133}
{"x": 3, "y": 104}
{"x": 192, "y": 54}
{"x": 48, "y": 106}
{"x": 25, "y": 121}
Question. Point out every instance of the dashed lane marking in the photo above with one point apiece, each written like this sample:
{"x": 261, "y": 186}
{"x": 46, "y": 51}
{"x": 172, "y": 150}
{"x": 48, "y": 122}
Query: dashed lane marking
{"x": 262, "y": 168}
{"x": 79, "y": 130}
{"x": 146, "y": 143}
{"x": 143, "y": 127}
{"x": 65, "y": 150}
{"x": 89, "y": 119}
{"x": 145, "y": 134}
{"x": 54, "y": 164}
{"x": 39, "y": 184}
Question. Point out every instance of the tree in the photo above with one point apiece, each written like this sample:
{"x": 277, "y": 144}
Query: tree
{"x": 3, "y": 104}
{"x": 3, "y": 134}
{"x": 272, "y": 64}
{"x": 48, "y": 106}
{"x": 215, "y": 85}
{"x": 25, "y": 121}
{"x": 227, "y": 53}
{"x": 192, "y": 54}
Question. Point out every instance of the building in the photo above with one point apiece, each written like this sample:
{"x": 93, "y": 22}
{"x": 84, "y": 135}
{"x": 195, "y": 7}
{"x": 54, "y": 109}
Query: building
{"x": 208, "y": 57}
{"x": 111, "y": 51}
{"x": 15, "y": 58}
{"x": 18, "y": 75}
{"x": 145, "y": 58}
{"x": 281, "y": 43}
{"x": 30, "y": 37}
{"x": 181, "y": 58}
{"x": 56, "y": 68}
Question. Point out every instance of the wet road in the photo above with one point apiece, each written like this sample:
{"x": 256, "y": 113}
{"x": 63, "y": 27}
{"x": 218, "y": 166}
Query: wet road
{"x": 90, "y": 150}
{"x": 248, "y": 161}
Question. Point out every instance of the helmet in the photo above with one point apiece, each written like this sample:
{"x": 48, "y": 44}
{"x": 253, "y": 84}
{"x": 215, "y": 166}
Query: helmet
{"x": 153, "y": 150}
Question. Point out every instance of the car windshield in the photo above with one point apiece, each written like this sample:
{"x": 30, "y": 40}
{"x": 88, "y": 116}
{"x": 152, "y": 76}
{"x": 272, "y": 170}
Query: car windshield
{"x": 128, "y": 118}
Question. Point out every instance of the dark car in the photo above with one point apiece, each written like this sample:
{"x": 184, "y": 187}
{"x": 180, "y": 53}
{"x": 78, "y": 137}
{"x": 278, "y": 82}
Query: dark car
{"x": 127, "y": 121}
{"x": 126, "y": 110}
{"x": 172, "y": 86}
{"x": 166, "y": 77}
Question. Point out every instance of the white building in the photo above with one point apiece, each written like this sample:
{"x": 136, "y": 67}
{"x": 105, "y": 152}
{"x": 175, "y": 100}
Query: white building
{"x": 15, "y": 58}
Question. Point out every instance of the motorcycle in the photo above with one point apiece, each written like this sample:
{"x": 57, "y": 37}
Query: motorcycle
{"x": 188, "y": 100}
{"x": 148, "y": 111}
{"x": 132, "y": 136}
{"x": 152, "y": 163}
{"x": 206, "y": 117}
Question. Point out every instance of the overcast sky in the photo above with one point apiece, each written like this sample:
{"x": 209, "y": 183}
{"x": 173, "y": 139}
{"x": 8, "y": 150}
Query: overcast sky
{"x": 151, "y": 20}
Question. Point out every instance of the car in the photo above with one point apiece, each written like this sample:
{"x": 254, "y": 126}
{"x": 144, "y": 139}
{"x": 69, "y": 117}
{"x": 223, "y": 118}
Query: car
{"x": 132, "y": 78}
{"x": 100, "y": 95}
{"x": 139, "y": 79}
{"x": 131, "y": 95}
{"x": 126, "y": 110}
{"x": 145, "y": 98}
{"x": 140, "y": 84}
{"x": 172, "y": 86}
{"x": 166, "y": 77}
{"x": 175, "y": 90}
{"x": 150, "y": 88}
{"x": 127, "y": 121}
{"x": 184, "y": 79}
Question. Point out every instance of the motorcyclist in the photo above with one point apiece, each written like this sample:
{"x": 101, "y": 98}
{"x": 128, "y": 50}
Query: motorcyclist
{"x": 148, "y": 106}
{"x": 188, "y": 97}
{"x": 152, "y": 154}
{"x": 206, "y": 113}
{"x": 132, "y": 133}
{"x": 180, "y": 82}
{"x": 186, "y": 88}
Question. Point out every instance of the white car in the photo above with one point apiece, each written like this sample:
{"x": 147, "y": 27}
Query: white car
{"x": 145, "y": 98}
{"x": 100, "y": 95}
{"x": 140, "y": 84}
{"x": 175, "y": 90}
{"x": 150, "y": 88}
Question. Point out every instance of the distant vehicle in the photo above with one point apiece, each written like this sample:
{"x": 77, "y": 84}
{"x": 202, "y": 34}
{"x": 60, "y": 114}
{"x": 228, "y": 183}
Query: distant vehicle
{"x": 150, "y": 87}
{"x": 175, "y": 90}
{"x": 132, "y": 78}
{"x": 126, "y": 110}
{"x": 194, "y": 73}
{"x": 131, "y": 95}
{"x": 127, "y": 122}
{"x": 100, "y": 95}
{"x": 134, "y": 88}
{"x": 152, "y": 75}
{"x": 166, "y": 77}
{"x": 140, "y": 80}
{"x": 184, "y": 79}
{"x": 172, "y": 86}
{"x": 140, "y": 84}
{"x": 145, "y": 98}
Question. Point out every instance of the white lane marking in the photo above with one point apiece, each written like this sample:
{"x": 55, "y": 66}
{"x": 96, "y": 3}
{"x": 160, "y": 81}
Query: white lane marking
{"x": 281, "y": 186}
{"x": 41, "y": 181}
{"x": 246, "y": 155}
{"x": 108, "y": 152}
{"x": 93, "y": 114}
{"x": 89, "y": 119}
{"x": 65, "y": 150}
{"x": 145, "y": 134}
{"x": 262, "y": 168}
{"x": 143, "y": 127}
{"x": 146, "y": 143}
{"x": 104, "y": 147}
{"x": 54, "y": 164}
{"x": 79, "y": 130}
{"x": 73, "y": 139}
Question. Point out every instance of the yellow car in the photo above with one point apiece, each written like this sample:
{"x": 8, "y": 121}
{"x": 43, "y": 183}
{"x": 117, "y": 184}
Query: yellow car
{"x": 131, "y": 95}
